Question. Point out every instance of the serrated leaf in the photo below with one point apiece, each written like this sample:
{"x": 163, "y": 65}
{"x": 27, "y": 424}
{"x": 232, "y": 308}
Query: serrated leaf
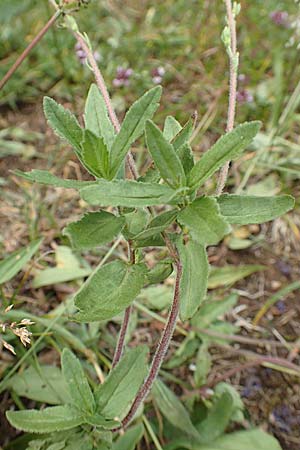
{"x": 48, "y": 420}
{"x": 136, "y": 221}
{"x": 96, "y": 420}
{"x": 96, "y": 117}
{"x": 94, "y": 229}
{"x": 95, "y": 155}
{"x": 171, "y": 128}
{"x": 153, "y": 241}
{"x": 217, "y": 420}
{"x": 204, "y": 221}
{"x": 223, "y": 276}
{"x": 164, "y": 156}
{"x": 63, "y": 123}
{"x": 173, "y": 410}
{"x": 44, "y": 384}
{"x": 127, "y": 193}
{"x": 193, "y": 284}
{"x": 115, "y": 396}
{"x": 157, "y": 225}
{"x": 15, "y": 262}
{"x": 79, "y": 388}
{"x": 45, "y": 177}
{"x": 109, "y": 290}
{"x": 133, "y": 126}
{"x": 246, "y": 209}
{"x": 227, "y": 148}
{"x": 160, "y": 272}
{"x": 130, "y": 439}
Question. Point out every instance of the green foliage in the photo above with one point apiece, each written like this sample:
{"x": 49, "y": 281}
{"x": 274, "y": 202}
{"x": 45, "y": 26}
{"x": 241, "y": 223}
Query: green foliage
{"x": 45, "y": 177}
{"x": 94, "y": 229}
{"x": 96, "y": 117}
{"x": 95, "y": 155}
{"x": 79, "y": 389}
{"x": 194, "y": 278}
{"x": 63, "y": 123}
{"x": 15, "y": 262}
{"x": 204, "y": 222}
{"x": 228, "y": 147}
{"x": 109, "y": 290}
{"x": 164, "y": 156}
{"x": 130, "y": 439}
{"x": 116, "y": 394}
{"x": 133, "y": 126}
{"x": 48, "y": 420}
{"x": 245, "y": 209}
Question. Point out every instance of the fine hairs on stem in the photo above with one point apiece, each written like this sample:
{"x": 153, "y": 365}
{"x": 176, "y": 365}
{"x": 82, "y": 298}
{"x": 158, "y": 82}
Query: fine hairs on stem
{"x": 233, "y": 73}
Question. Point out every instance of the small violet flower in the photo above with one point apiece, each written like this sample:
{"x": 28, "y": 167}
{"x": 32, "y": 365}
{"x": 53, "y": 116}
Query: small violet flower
{"x": 122, "y": 77}
{"x": 81, "y": 55}
{"x": 244, "y": 96}
{"x": 280, "y": 18}
{"x": 157, "y": 74}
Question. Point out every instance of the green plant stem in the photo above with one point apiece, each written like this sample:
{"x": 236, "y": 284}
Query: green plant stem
{"x": 152, "y": 434}
{"x": 233, "y": 67}
{"x": 28, "y": 49}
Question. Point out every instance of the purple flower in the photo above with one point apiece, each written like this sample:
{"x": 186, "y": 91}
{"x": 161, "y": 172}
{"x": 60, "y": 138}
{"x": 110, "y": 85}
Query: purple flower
{"x": 81, "y": 55}
{"x": 284, "y": 418}
{"x": 122, "y": 77}
{"x": 280, "y": 18}
{"x": 244, "y": 96}
{"x": 157, "y": 74}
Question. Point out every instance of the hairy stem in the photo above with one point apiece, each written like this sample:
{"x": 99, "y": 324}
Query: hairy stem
{"x": 103, "y": 89}
{"x": 233, "y": 69}
{"x": 160, "y": 351}
{"x": 28, "y": 49}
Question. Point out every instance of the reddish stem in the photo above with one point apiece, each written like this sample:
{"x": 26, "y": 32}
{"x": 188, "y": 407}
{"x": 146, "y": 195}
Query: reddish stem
{"x": 122, "y": 335}
{"x": 160, "y": 352}
{"x": 29, "y": 48}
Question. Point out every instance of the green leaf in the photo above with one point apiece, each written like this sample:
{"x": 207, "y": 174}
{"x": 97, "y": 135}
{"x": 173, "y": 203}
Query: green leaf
{"x": 228, "y": 147}
{"x": 130, "y": 439}
{"x": 153, "y": 241}
{"x": 203, "y": 365}
{"x": 186, "y": 157}
{"x": 96, "y": 117}
{"x": 94, "y": 229}
{"x": 184, "y": 352}
{"x": 133, "y": 126}
{"x": 193, "y": 284}
{"x": 158, "y": 224}
{"x": 223, "y": 276}
{"x": 68, "y": 268}
{"x": 15, "y": 262}
{"x": 45, "y": 177}
{"x": 48, "y": 420}
{"x": 255, "y": 439}
{"x": 63, "y": 123}
{"x": 183, "y": 136}
{"x": 204, "y": 221}
{"x": 127, "y": 193}
{"x": 135, "y": 222}
{"x": 79, "y": 389}
{"x": 245, "y": 209}
{"x": 212, "y": 310}
{"x": 160, "y": 272}
{"x": 157, "y": 297}
{"x": 115, "y": 396}
{"x": 164, "y": 156}
{"x": 171, "y": 128}
{"x": 96, "y": 420}
{"x": 95, "y": 155}
{"x": 238, "y": 406}
{"x": 173, "y": 410}
{"x": 217, "y": 420}
{"x": 109, "y": 290}
{"x": 44, "y": 384}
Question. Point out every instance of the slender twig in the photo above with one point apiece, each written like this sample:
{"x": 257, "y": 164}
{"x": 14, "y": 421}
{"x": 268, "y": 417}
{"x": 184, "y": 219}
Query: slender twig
{"x": 103, "y": 89}
{"x": 233, "y": 67}
{"x": 28, "y": 49}
{"x": 160, "y": 352}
